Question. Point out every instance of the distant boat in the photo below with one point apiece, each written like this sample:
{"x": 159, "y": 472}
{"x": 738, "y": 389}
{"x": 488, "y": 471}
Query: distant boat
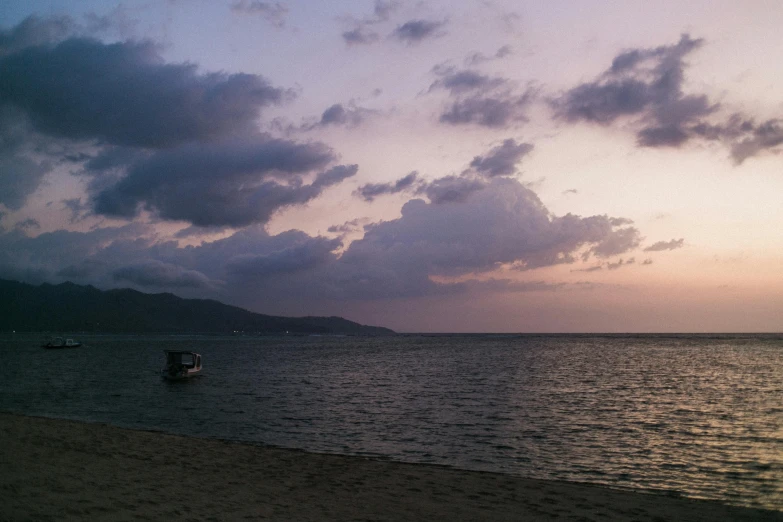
{"x": 59, "y": 342}
{"x": 181, "y": 365}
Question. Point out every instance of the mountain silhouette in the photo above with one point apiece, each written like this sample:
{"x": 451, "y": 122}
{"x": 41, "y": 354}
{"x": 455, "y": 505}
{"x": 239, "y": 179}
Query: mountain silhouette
{"x": 68, "y": 307}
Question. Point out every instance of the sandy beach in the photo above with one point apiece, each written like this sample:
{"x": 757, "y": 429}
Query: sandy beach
{"x": 64, "y": 470}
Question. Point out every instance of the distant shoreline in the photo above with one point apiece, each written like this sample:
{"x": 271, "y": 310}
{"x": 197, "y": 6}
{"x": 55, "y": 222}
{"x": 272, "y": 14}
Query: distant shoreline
{"x": 59, "y": 469}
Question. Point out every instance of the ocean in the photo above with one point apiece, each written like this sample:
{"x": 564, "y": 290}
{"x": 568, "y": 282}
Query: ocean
{"x": 693, "y": 415}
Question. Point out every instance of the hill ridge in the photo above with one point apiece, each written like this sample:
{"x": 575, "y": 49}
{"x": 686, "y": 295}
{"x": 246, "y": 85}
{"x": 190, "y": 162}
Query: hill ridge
{"x": 71, "y": 307}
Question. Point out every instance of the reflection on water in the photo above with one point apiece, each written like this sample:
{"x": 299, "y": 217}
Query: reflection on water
{"x": 698, "y": 415}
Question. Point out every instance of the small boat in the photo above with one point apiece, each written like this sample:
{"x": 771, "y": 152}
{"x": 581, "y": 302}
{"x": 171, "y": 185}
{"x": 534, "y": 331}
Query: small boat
{"x": 59, "y": 342}
{"x": 181, "y": 365}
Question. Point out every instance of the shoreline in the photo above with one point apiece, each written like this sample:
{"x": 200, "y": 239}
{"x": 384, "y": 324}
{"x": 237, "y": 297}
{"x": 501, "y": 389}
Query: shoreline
{"x": 61, "y": 469}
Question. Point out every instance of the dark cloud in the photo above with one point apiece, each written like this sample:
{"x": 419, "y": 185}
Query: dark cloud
{"x": 334, "y": 175}
{"x": 461, "y": 81}
{"x": 480, "y": 99}
{"x": 646, "y": 84}
{"x": 618, "y": 222}
{"x": 349, "y": 116}
{"x": 334, "y": 114}
{"x": 620, "y": 263}
{"x": 743, "y": 135}
{"x": 415, "y": 31}
{"x": 38, "y": 259}
{"x": 603, "y": 103}
{"x": 111, "y": 158}
{"x": 666, "y": 245}
{"x": 764, "y": 137}
{"x": 304, "y": 254}
{"x": 383, "y": 9}
{"x": 504, "y": 51}
{"x": 232, "y": 183}
{"x": 82, "y": 270}
{"x": 156, "y": 274}
{"x": 647, "y": 262}
{"x": 596, "y": 268}
{"x": 670, "y": 135}
{"x": 353, "y": 225}
{"x": 452, "y": 189}
{"x": 274, "y": 13}
{"x": 755, "y": 139}
{"x": 19, "y": 177}
{"x": 501, "y": 160}
{"x": 370, "y": 191}
{"x": 149, "y": 135}
{"x": 479, "y": 58}
{"x": 34, "y": 31}
{"x": 194, "y": 231}
{"x": 28, "y": 224}
{"x": 497, "y": 112}
{"x": 120, "y": 20}
{"x": 504, "y": 224}
{"x": 359, "y": 36}
{"x": 22, "y": 166}
{"x": 617, "y": 242}
{"x": 124, "y": 94}
{"x": 76, "y": 207}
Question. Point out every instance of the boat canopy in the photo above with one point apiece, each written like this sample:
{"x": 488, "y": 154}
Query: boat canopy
{"x": 182, "y": 357}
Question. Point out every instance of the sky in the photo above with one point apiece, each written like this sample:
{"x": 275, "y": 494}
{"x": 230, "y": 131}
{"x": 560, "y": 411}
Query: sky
{"x": 428, "y": 166}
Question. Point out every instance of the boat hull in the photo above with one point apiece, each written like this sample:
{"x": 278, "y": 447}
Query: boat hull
{"x": 60, "y": 346}
{"x": 180, "y": 375}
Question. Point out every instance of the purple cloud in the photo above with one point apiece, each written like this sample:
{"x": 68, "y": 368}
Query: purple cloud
{"x": 230, "y": 183}
{"x": 452, "y": 189}
{"x": 21, "y": 176}
{"x": 479, "y": 58}
{"x": 643, "y": 83}
{"x": 415, "y": 31}
{"x": 156, "y": 274}
{"x": 744, "y": 136}
{"x": 504, "y": 223}
{"x": 304, "y": 254}
{"x": 460, "y": 82}
{"x": 353, "y": 225}
{"x": 359, "y": 36}
{"x": 480, "y": 99}
{"x": 620, "y": 263}
{"x": 501, "y": 160}
{"x": 666, "y": 245}
{"x": 124, "y": 94}
{"x": 35, "y": 31}
{"x": 274, "y": 13}
{"x": 498, "y": 111}
{"x": 340, "y": 115}
{"x": 370, "y": 191}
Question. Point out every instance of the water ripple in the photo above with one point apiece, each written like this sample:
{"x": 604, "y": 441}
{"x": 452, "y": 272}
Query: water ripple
{"x": 693, "y": 415}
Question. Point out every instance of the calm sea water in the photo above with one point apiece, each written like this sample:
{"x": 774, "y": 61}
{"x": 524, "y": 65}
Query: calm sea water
{"x": 696, "y": 415}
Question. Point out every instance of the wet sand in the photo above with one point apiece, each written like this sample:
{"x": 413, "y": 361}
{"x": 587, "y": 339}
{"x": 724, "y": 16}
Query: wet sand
{"x": 64, "y": 470}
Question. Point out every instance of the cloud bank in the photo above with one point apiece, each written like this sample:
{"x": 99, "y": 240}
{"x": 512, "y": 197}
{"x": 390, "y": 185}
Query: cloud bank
{"x": 150, "y": 135}
{"x": 416, "y": 31}
{"x": 646, "y": 86}
{"x": 479, "y": 99}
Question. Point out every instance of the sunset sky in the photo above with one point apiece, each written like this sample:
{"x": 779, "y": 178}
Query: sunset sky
{"x": 429, "y": 166}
